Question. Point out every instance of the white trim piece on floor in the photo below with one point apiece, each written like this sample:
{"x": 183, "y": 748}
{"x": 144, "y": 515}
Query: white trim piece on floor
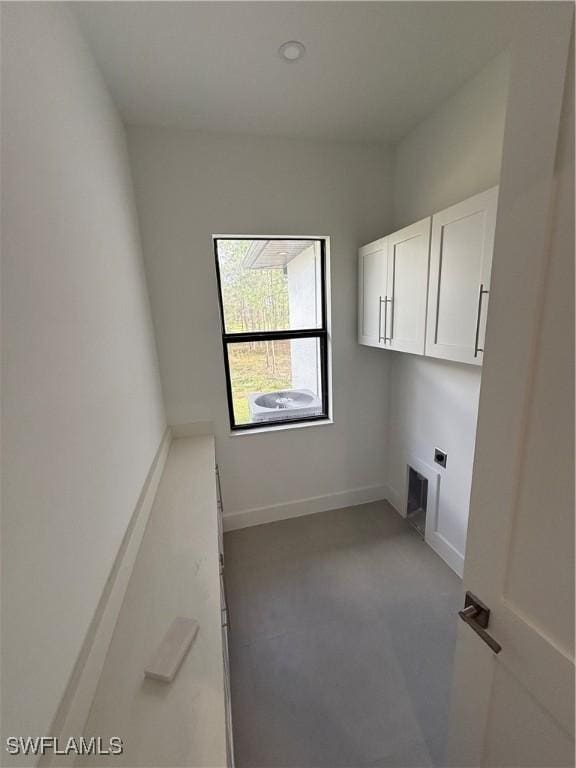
{"x": 75, "y": 705}
{"x": 259, "y": 515}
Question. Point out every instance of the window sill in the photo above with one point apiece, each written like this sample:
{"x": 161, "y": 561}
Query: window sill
{"x": 280, "y": 427}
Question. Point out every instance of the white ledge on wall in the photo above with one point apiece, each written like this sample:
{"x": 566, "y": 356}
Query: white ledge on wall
{"x": 75, "y": 705}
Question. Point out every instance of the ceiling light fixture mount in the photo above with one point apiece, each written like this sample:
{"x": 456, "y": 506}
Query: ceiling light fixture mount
{"x": 291, "y": 51}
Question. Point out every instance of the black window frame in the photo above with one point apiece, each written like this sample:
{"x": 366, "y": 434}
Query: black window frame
{"x": 304, "y": 333}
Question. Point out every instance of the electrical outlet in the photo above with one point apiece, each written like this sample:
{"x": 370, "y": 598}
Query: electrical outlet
{"x": 440, "y": 457}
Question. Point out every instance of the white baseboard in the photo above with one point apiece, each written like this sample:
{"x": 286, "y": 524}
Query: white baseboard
{"x": 447, "y": 552}
{"x": 395, "y": 499}
{"x": 257, "y": 516}
{"x": 75, "y": 705}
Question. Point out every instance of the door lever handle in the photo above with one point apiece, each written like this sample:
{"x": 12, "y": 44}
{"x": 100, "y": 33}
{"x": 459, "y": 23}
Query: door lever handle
{"x": 477, "y": 616}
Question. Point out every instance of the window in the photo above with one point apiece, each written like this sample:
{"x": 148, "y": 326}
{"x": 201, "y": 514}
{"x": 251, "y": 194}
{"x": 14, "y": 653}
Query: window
{"x": 274, "y": 329}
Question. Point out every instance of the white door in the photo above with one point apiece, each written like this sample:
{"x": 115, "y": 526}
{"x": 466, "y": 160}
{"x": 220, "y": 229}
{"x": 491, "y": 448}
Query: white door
{"x": 460, "y": 264}
{"x": 372, "y": 292}
{"x": 407, "y": 287}
{"x": 516, "y": 708}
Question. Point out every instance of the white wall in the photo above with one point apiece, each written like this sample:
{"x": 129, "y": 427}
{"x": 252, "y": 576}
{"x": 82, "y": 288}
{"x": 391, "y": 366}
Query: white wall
{"x": 456, "y": 151}
{"x": 82, "y": 414}
{"x": 191, "y": 185}
{"x": 451, "y": 155}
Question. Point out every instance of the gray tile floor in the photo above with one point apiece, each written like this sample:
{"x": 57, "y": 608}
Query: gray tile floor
{"x": 342, "y": 640}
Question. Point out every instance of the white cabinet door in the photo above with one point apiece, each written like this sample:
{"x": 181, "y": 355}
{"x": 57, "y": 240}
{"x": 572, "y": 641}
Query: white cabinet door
{"x": 460, "y": 263}
{"x": 372, "y": 292}
{"x": 407, "y": 286}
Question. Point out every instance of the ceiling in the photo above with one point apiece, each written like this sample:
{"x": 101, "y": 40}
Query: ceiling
{"x": 372, "y": 70}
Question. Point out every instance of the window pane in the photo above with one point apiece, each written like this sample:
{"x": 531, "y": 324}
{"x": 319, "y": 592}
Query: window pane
{"x": 270, "y": 285}
{"x": 275, "y": 381}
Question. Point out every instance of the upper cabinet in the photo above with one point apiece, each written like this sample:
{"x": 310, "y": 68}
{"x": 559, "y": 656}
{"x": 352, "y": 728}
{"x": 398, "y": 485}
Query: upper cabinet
{"x": 372, "y": 261}
{"x": 425, "y": 288}
{"x": 408, "y": 253}
{"x": 460, "y": 265}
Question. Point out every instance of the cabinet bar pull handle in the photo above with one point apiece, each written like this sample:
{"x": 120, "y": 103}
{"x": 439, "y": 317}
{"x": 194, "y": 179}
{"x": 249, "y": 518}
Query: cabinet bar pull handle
{"x": 391, "y": 302}
{"x": 478, "y": 316}
{"x": 380, "y": 337}
{"x": 385, "y": 319}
